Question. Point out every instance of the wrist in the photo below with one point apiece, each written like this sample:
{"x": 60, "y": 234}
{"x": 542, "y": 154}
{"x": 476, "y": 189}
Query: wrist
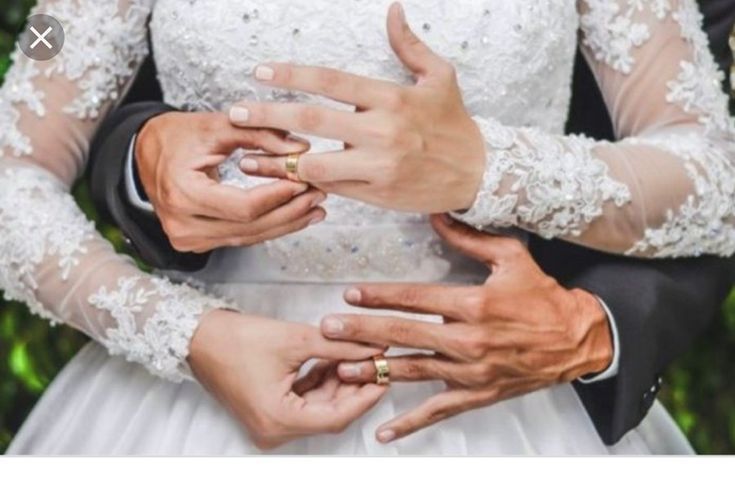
{"x": 596, "y": 346}
{"x": 147, "y": 147}
{"x": 211, "y": 328}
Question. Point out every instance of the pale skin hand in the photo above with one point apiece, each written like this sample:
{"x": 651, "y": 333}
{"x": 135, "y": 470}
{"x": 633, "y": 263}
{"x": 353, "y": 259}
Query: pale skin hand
{"x": 403, "y": 143}
{"x": 177, "y": 155}
{"x": 250, "y": 364}
{"x": 519, "y": 332}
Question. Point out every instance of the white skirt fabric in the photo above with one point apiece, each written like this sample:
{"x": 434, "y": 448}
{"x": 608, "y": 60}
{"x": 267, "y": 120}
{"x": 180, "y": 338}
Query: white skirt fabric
{"x": 102, "y": 405}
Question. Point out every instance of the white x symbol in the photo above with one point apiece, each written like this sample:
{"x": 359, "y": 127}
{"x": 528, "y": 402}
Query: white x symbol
{"x": 41, "y": 38}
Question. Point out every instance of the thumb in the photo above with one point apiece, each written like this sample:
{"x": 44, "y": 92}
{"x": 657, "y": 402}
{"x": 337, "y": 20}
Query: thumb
{"x": 411, "y": 50}
{"x": 481, "y": 246}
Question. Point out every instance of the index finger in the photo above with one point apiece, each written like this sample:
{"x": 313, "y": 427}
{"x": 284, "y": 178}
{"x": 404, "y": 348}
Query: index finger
{"x": 216, "y": 200}
{"x": 341, "y": 86}
{"x": 448, "y": 301}
{"x": 334, "y": 415}
{"x": 387, "y": 332}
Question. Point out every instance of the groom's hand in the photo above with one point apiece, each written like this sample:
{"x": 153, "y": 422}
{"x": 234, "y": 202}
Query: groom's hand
{"x": 519, "y": 332}
{"x": 177, "y": 155}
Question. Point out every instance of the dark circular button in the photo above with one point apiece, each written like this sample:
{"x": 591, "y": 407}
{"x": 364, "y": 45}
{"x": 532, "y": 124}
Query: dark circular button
{"x": 42, "y": 38}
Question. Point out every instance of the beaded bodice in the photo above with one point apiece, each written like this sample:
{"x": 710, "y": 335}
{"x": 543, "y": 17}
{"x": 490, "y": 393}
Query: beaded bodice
{"x": 206, "y": 50}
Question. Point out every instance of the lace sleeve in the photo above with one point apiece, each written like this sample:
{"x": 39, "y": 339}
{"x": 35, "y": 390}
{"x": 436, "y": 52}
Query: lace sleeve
{"x": 51, "y": 257}
{"x": 666, "y": 188}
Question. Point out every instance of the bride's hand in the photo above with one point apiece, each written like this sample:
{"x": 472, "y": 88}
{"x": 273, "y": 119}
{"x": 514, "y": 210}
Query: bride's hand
{"x": 177, "y": 154}
{"x": 251, "y": 364}
{"x": 412, "y": 148}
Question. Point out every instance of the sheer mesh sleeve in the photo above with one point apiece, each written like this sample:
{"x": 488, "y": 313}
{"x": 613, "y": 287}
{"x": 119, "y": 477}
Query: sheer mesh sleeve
{"x": 51, "y": 257}
{"x": 666, "y": 188}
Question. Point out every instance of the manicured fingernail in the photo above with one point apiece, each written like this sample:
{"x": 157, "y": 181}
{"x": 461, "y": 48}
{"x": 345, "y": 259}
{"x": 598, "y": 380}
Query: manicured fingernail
{"x": 349, "y": 370}
{"x": 353, "y": 295}
{"x": 320, "y": 197}
{"x": 249, "y": 165}
{"x": 332, "y": 326}
{"x": 300, "y": 188}
{"x": 297, "y": 139}
{"x": 386, "y": 435}
{"x": 239, "y": 114}
{"x": 401, "y": 13}
{"x": 264, "y": 73}
{"x": 447, "y": 219}
{"x": 317, "y": 218}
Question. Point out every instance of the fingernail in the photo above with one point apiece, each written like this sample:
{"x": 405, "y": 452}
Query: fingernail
{"x": 300, "y": 188}
{"x": 353, "y": 295}
{"x": 249, "y": 165}
{"x": 317, "y": 218}
{"x": 318, "y": 199}
{"x": 264, "y": 73}
{"x": 386, "y": 435}
{"x": 349, "y": 370}
{"x": 401, "y": 13}
{"x": 239, "y": 114}
{"x": 447, "y": 219}
{"x": 297, "y": 139}
{"x": 332, "y": 326}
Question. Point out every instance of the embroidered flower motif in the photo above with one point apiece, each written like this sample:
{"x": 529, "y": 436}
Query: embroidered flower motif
{"x": 555, "y": 186}
{"x": 38, "y": 220}
{"x": 551, "y": 185}
{"x": 159, "y": 341}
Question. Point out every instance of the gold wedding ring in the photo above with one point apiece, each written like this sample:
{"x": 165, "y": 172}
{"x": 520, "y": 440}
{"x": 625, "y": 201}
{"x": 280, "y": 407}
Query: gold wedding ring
{"x": 292, "y": 166}
{"x": 382, "y": 371}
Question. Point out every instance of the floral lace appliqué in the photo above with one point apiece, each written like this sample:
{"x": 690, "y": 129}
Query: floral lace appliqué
{"x": 554, "y": 186}
{"x": 704, "y": 223}
{"x": 39, "y": 219}
{"x": 156, "y": 337}
{"x": 102, "y": 49}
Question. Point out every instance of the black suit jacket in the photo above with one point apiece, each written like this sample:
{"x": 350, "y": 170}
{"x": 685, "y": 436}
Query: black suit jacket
{"x": 660, "y": 306}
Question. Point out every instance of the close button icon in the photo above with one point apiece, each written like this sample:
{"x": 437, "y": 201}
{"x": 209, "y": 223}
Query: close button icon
{"x": 42, "y": 38}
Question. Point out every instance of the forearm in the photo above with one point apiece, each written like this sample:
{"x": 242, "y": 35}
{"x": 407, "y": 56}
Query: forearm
{"x": 55, "y": 262}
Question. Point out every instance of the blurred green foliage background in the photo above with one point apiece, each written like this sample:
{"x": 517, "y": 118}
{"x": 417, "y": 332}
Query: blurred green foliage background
{"x": 699, "y": 390}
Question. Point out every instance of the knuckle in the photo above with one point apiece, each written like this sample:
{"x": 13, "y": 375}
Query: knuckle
{"x": 485, "y": 373}
{"x": 265, "y": 439}
{"x": 396, "y": 100}
{"x": 352, "y": 325}
{"x": 413, "y": 369}
{"x": 284, "y": 73}
{"x": 475, "y": 305}
{"x": 180, "y": 244}
{"x": 411, "y": 38}
{"x": 309, "y": 118}
{"x": 471, "y": 344}
{"x": 327, "y": 80}
{"x": 337, "y": 427}
{"x": 173, "y": 229}
{"x": 513, "y": 248}
{"x": 245, "y": 213}
{"x": 264, "y": 444}
{"x": 411, "y": 295}
{"x": 447, "y": 71}
{"x": 438, "y": 413}
{"x": 314, "y": 170}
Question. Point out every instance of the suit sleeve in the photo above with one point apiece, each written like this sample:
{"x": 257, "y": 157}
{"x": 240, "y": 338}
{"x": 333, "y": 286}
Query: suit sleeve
{"x": 660, "y": 307}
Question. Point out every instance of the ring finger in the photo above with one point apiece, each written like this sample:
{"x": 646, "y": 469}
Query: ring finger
{"x": 342, "y": 165}
{"x": 406, "y": 368}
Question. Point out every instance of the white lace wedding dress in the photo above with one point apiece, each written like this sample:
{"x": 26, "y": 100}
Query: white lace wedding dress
{"x": 665, "y": 190}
